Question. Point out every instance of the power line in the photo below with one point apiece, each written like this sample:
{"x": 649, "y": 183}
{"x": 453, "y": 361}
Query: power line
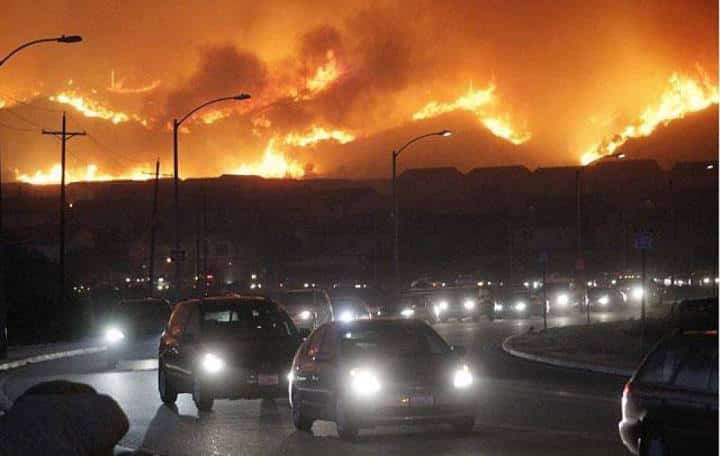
{"x": 11, "y": 127}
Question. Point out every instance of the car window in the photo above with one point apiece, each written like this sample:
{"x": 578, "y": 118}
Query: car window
{"x": 192, "y": 327}
{"x": 662, "y": 364}
{"x": 244, "y": 319}
{"x": 392, "y": 340}
{"x": 714, "y": 376}
{"x": 328, "y": 345}
{"x": 694, "y": 372}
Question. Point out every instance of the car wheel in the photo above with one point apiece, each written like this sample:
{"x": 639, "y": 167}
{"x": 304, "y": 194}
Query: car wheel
{"x": 346, "y": 429}
{"x": 203, "y": 399}
{"x": 301, "y": 422}
{"x": 464, "y": 425}
{"x": 652, "y": 444}
{"x": 168, "y": 394}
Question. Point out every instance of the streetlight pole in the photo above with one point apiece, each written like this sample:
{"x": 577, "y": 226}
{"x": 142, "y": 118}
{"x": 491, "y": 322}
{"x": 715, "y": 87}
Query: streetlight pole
{"x": 58, "y": 39}
{"x": 395, "y": 217}
{"x": 178, "y": 255}
{"x": 579, "y": 260}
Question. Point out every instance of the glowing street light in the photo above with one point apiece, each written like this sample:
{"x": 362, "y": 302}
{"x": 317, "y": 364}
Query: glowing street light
{"x": 59, "y": 39}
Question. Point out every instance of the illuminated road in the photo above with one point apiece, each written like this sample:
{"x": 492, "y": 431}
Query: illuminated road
{"x": 522, "y": 408}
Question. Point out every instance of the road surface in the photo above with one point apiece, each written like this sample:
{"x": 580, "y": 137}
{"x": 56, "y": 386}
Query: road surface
{"x": 522, "y": 408}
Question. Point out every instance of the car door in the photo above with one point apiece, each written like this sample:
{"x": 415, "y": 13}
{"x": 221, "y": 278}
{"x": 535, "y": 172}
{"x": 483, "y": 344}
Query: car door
{"x": 307, "y": 375}
{"x": 326, "y": 364}
{"x": 188, "y": 345}
{"x": 689, "y": 401}
{"x": 171, "y": 340}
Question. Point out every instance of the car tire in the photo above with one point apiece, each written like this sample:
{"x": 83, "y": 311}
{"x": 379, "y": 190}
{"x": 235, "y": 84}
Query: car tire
{"x": 300, "y": 421}
{"x": 203, "y": 399}
{"x": 346, "y": 429}
{"x": 464, "y": 425}
{"x": 168, "y": 393}
{"x": 652, "y": 444}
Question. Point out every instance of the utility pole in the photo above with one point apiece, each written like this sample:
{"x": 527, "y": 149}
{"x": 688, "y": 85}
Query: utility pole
{"x": 153, "y": 227}
{"x": 205, "y": 242}
{"x": 198, "y": 280}
{"x": 642, "y": 299}
{"x": 396, "y": 228}
{"x": 64, "y": 135}
{"x": 3, "y": 304}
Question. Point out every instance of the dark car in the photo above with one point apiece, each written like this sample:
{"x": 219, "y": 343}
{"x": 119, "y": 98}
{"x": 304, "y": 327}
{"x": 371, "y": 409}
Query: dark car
{"x": 308, "y": 308}
{"x": 133, "y": 328}
{"x": 226, "y": 348}
{"x": 603, "y": 299}
{"x": 515, "y": 304}
{"x": 458, "y": 303}
{"x": 374, "y": 372}
{"x": 349, "y": 308}
{"x": 695, "y": 314}
{"x": 670, "y": 405}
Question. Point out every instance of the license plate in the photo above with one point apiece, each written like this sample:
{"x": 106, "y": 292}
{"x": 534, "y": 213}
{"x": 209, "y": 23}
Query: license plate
{"x": 422, "y": 400}
{"x": 268, "y": 380}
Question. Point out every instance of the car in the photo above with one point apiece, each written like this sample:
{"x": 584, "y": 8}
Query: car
{"x": 603, "y": 299}
{"x": 226, "y": 348}
{"x": 458, "y": 303}
{"x": 694, "y": 314}
{"x": 516, "y": 303}
{"x": 561, "y": 298}
{"x": 670, "y": 404}
{"x": 308, "y": 308}
{"x": 368, "y": 373}
{"x": 133, "y": 328}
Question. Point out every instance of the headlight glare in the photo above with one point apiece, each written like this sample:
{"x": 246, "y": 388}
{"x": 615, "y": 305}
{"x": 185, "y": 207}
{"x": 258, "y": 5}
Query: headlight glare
{"x": 347, "y": 315}
{"x": 637, "y": 292}
{"x": 469, "y": 304}
{"x": 520, "y": 306}
{"x": 563, "y": 299}
{"x": 212, "y": 363}
{"x": 498, "y": 307}
{"x": 305, "y": 315}
{"x": 462, "y": 378}
{"x": 604, "y": 300}
{"x": 364, "y": 382}
{"x": 407, "y": 312}
{"x": 113, "y": 335}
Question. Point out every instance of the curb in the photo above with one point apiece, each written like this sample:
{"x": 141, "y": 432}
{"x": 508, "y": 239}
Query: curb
{"x": 618, "y": 371}
{"x": 50, "y": 356}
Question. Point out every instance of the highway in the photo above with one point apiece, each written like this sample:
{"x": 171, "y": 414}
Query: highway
{"x": 522, "y": 408}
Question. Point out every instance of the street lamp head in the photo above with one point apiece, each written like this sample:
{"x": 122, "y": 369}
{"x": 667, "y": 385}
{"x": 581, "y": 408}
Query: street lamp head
{"x": 620, "y": 155}
{"x": 445, "y": 133}
{"x": 69, "y": 39}
{"x": 242, "y": 96}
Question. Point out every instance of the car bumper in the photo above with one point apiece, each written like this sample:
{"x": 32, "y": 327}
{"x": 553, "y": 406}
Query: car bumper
{"x": 230, "y": 385}
{"x": 630, "y": 435}
{"x": 398, "y": 409}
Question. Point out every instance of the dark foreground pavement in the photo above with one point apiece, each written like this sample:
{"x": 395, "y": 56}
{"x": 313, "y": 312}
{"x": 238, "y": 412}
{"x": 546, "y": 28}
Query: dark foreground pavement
{"x": 522, "y": 408}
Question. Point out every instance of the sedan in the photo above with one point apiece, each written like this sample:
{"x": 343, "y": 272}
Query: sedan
{"x": 367, "y": 373}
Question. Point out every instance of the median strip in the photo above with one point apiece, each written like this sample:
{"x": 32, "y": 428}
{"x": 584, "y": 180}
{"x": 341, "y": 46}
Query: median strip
{"x": 49, "y": 357}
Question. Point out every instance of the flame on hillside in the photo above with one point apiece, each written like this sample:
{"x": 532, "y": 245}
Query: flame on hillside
{"x": 94, "y": 109}
{"x": 318, "y": 134}
{"x": 90, "y": 173}
{"x": 683, "y": 95}
{"x": 479, "y": 102}
{"x": 274, "y": 164}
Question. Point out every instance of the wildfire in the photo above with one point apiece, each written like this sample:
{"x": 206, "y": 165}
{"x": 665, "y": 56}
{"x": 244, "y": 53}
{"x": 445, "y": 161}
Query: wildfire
{"x": 325, "y": 74}
{"x": 684, "y": 95}
{"x": 273, "y": 164}
{"x": 477, "y": 101}
{"x": 94, "y": 109}
{"x": 118, "y": 86}
{"x": 88, "y": 174}
{"x": 317, "y": 134}
{"x": 213, "y": 116}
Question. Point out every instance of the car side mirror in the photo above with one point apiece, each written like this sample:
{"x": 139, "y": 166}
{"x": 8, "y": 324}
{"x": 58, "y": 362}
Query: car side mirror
{"x": 458, "y": 350}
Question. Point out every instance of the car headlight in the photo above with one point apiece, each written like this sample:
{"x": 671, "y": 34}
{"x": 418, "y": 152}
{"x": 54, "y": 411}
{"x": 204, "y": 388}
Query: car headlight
{"x": 562, "y": 299}
{"x": 498, "y": 307}
{"x": 520, "y": 306}
{"x": 212, "y": 364}
{"x": 637, "y": 292}
{"x": 364, "y": 382}
{"x": 113, "y": 335}
{"x": 469, "y": 304}
{"x": 346, "y": 315}
{"x": 407, "y": 313}
{"x": 305, "y": 315}
{"x": 462, "y": 378}
{"x": 443, "y": 305}
{"x": 604, "y": 300}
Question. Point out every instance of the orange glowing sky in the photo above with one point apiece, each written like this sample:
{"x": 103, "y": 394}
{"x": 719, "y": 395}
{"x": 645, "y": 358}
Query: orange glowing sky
{"x": 335, "y": 89}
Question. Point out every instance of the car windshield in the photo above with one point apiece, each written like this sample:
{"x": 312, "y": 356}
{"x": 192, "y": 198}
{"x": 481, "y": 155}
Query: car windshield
{"x": 392, "y": 340}
{"x": 296, "y": 302}
{"x": 245, "y": 319}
